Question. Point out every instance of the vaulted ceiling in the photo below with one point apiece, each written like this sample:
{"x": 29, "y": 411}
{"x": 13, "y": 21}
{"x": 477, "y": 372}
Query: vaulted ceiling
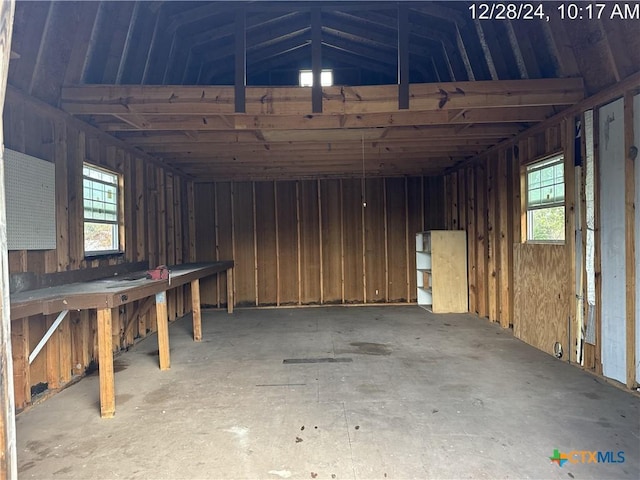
{"x": 85, "y": 57}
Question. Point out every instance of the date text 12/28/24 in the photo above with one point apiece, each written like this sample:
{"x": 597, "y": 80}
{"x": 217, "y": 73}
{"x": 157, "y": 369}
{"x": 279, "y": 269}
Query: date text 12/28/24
{"x": 564, "y": 11}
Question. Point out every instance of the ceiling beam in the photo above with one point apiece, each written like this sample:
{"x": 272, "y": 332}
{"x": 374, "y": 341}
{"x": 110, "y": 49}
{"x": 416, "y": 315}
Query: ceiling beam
{"x": 200, "y": 100}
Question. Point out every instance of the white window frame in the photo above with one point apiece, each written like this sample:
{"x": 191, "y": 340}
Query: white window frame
{"x": 116, "y": 246}
{"x": 305, "y": 78}
{"x": 539, "y": 165}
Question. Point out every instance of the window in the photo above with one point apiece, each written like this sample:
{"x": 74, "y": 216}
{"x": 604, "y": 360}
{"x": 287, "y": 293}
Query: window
{"x": 545, "y": 200}
{"x": 306, "y": 78}
{"x": 101, "y": 210}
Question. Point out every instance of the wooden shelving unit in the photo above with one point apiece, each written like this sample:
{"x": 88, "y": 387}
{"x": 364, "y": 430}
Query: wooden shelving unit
{"x": 441, "y": 269}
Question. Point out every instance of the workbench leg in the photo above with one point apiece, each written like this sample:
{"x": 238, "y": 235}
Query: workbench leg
{"x": 195, "y": 310}
{"x": 105, "y": 359}
{"x": 230, "y": 299}
{"x": 163, "y": 330}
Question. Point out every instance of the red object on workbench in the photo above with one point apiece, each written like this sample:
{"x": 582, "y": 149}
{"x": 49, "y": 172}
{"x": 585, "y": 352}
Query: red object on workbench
{"x": 161, "y": 272}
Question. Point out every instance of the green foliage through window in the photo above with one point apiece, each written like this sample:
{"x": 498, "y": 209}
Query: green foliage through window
{"x": 545, "y": 200}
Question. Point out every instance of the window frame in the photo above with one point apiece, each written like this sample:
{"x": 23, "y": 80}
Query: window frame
{"x": 557, "y": 158}
{"x": 322, "y": 73}
{"x": 117, "y": 224}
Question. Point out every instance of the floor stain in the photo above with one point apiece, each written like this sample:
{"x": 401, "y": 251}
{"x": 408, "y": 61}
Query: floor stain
{"x": 367, "y": 348}
{"x": 26, "y": 466}
{"x": 119, "y": 365}
{"x": 591, "y": 395}
{"x": 63, "y": 471}
{"x": 123, "y": 398}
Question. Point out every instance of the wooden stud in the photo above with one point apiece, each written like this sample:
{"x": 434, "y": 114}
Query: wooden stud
{"x": 342, "y": 239}
{"x": 275, "y": 199}
{"x": 230, "y": 297}
{"x": 503, "y": 246}
{"x": 192, "y": 222}
{"x": 64, "y": 338}
{"x": 163, "y": 330}
{"x": 471, "y": 240}
{"x": 141, "y": 201}
{"x": 363, "y": 203}
{"x": 481, "y": 241}
{"x": 52, "y": 349}
{"x": 255, "y": 242}
{"x": 386, "y": 241}
{"x": 513, "y": 225}
{"x": 21, "y": 370}
{"x": 453, "y": 199}
{"x": 217, "y": 237}
{"x": 298, "y": 239}
{"x": 195, "y": 310}
{"x": 492, "y": 248}
{"x": 320, "y": 252}
{"x": 232, "y": 288}
{"x": 630, "y": 239}
{"x": 105, "y": 360}
{"x": 568, "y": 135}
{"x": 407, "y": 244}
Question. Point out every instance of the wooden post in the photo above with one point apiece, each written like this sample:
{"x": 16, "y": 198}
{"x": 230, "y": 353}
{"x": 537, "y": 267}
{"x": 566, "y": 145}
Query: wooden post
{"x": 163, "y": 330}
{"x": 8, "y": 460}
{"x": 105, "y": 361}
{"x": 230, "y": 300}
{"x": 195, "y": 310}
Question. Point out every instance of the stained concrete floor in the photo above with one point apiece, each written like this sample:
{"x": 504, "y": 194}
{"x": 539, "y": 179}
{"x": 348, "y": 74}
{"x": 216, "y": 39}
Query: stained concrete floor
{"x": 424, "y": 396}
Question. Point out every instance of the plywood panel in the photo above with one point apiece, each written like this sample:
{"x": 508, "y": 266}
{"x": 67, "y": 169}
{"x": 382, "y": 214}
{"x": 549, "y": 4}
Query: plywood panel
{"x": 612, "y": 237}
{"x": 541, "y": 295}
{"x": 397, "y": 239}
{"x": 330, "y": 197}
{"x": 309, "y": 241}
{"x": 243, "y": 243}
{"x": 205, "y": 223}
{"x": 266, "y": 245}
{"x": 374, "y": 240}
{"x": 287, "y": 242}
{"x": 352, "y": 237}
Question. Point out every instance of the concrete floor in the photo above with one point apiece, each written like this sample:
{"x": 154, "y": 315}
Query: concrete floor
{"x": 424, "y": 396}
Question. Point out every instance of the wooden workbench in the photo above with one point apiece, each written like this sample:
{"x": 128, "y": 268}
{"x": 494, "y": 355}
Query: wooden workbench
{"x": 108, "y": 293}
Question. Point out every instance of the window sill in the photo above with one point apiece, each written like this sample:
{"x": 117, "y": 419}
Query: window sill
{"x": 101, "y": 255}
{"x": 546, "y": 242}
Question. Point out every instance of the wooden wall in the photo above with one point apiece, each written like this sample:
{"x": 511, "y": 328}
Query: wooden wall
{"x": 313, "y": 241}
{"x": 157, "y": 229}
{"x": 537, "y": 288}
